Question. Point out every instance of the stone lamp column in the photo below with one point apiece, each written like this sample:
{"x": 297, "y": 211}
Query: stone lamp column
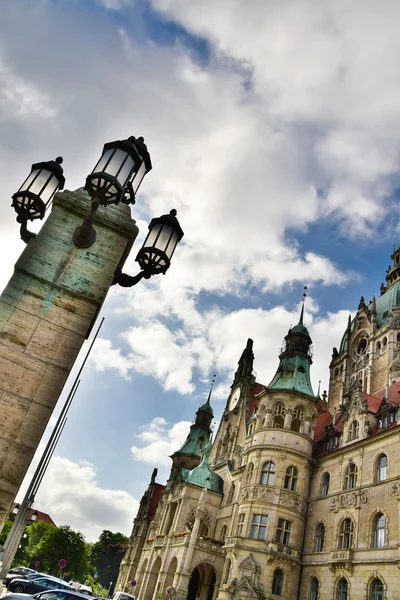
{"x": 47, "y": 311}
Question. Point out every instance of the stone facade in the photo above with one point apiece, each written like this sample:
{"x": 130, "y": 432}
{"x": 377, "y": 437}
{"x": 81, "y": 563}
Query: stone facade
{"x": 46, "y": 312}
{"x": 311, "y": 486}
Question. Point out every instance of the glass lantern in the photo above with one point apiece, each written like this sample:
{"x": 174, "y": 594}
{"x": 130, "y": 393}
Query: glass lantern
{"x": 164, "y": 234}
{"x": 121, "y": 168}
{"x": 37, "y": 191}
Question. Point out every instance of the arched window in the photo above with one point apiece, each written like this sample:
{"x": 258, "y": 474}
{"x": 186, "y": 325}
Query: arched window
{"x": 351, "y": 476}
{"x": 231, "y": 494}
{"x": 325, "y": 484}
{"x": 379, "y": 539}
{"x": 319, "y": 537}
{"x": 353, "y": 430}
{"x": 398, "y": 337}
{"x": 336, "y": 372}
{"x": 277, "y": 582}
{"x": 378, "y": 346}
{"x": 279, "y": 415}
{"x": 343, "y": 590}
{"x": 377, "y": 591}
{"x": 223, "y": 533}
{"x": 384, "y": 342}
{"x": 228, "y": 568}
{"x": 298, "y": 417}
{"x": 314, "y": 585}
{"x": 346, "y": 534}
{"x": 381, "y": 468}
{"x": 249, "y": 475}
{"x": 291, "y": 478}
{"x": 268, "y": 473}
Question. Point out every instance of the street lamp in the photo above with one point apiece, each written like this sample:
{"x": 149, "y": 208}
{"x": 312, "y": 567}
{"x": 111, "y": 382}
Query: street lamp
{"x": 35, "y": 194}
{"x": 115, "y": 178}
{"x": 155, "y": 255}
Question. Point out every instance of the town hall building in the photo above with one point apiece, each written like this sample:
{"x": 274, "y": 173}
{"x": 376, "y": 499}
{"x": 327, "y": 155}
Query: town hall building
{"x": 298, "y": 498}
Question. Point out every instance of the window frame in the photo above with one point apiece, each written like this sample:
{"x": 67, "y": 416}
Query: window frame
{"x": 240, "y": 524}
{"x": 277, "y": 582}
{"x": 259, "y": 522}
{"x": 324, "y": 484}
{"x": 377, "y": 594}
{"x": 379, "y": 531}
{"x": 319, "y": 537}
{"x": 379, "y": 468}
{"x": 250, "y": 471}
{"x": 268, "y": 473}
{"x": 282, "y": 534}
{"x": 291, "y": 478}
{"x": 314, "y": 593}
{"x": 346, "y": 534}
{"x": 342, "y": 583}
{"x": 351, "y": 477}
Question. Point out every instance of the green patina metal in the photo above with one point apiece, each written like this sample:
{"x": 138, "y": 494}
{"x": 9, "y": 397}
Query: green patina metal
{"x": 202, "y": 476}
{"x": 384, "y": 305}
{"x": 195, "y": 442}
{"x": 294, "y": 368}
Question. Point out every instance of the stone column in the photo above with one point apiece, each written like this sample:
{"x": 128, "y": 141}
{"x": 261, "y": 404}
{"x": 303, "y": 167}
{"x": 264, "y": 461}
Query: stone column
{"x": 268, "y": 417}
{"x": 47, "y": 311}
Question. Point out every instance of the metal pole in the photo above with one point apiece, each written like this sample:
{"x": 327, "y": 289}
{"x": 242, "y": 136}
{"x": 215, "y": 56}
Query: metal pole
{"x": 14, "y": 537}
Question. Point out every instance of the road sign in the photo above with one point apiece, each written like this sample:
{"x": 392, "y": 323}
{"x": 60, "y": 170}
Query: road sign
{"x": 133, "y": 582}
{"x": 62, "y": 563}
{"x": 37, "y": 564}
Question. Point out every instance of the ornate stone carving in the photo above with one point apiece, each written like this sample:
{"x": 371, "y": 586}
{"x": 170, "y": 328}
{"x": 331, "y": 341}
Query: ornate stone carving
{"x": 350, "y": 500}
{"x": 289, "y": 500}
{"x": 395, "y": 489}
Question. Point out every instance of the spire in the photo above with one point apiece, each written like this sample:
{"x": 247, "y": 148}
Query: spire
{"x": 295, "y": 360}
{"x": 207, "y": 405}
{"x": 302, "y": 307}
{"x": 245, "y": 364}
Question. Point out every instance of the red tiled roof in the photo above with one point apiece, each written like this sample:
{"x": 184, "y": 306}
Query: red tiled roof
{"x": 158, "y": 490}
{"x": 373, "y": 402}
{"x": 253, "y": 402}
{"x": 323, "y": 420}
{"x": 393, "y": 394}
{"x": 40, "y": 516}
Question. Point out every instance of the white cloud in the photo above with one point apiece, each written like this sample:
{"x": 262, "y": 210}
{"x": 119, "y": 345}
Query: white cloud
{"x": 160, "y": 441}
{"x": 71, "y": 495}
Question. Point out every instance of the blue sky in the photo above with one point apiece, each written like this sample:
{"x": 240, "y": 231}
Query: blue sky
{"x": 274, "y": 131}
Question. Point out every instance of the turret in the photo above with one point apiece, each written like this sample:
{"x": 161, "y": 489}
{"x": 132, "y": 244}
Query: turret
{"x": 393, "y": 272}
{"x": 189, "y": 454}
{"x": 294, "y": 361}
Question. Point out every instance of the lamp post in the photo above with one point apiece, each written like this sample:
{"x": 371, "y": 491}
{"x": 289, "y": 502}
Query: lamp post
{"x": 58, "y": 287}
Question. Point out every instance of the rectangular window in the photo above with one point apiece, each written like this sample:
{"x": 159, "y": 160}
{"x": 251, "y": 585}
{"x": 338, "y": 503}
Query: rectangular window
{"x": 258, "y": 527}
{"x": 283, "y": 532}
{"x": 240, "y": 524}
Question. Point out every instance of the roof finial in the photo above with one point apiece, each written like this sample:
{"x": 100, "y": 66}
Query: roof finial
{"x": 319, "y": 387}
{"x": 302, "y": 308}
{"x": 394, "y": 246}
{"x": 211, "y": 389}
{"x": 387, "y": 390}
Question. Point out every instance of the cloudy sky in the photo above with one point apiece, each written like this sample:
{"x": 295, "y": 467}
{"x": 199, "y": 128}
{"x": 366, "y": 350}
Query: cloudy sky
{"x": 274, "y": 130}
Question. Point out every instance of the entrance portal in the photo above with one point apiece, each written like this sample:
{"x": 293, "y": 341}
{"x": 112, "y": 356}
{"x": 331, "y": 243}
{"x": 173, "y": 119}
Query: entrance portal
{"x": 202, "y": 583}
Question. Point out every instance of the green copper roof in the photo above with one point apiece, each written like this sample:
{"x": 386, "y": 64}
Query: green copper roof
{"x": 203, "y": 476}
{"x": 293, "y": 374}
{"x": 195, "y": 442}
{"x": 207, "y": 406}
{"x": 300, "y": 327}
{"x": 384, "y": 305}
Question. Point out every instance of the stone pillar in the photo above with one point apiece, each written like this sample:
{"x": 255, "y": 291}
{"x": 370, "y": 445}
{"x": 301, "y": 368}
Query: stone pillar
{"x": 47, "y": 311}
{"x": 288, "y": 419}
{"x": 268, "y": 417}
{"x": 186, "y": 573}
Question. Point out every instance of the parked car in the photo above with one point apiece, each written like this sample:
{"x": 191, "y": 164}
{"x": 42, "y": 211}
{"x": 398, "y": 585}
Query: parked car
{"x": 11, "y": 576}
{"x": 123, "y": 596}
{"x": 49, "y": 595}
{"x": 32, "y": 586}
{"x": 22, "y": 570}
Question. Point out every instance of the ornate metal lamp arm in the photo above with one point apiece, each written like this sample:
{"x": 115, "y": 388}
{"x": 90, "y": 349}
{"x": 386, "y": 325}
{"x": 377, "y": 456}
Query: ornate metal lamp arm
{"x": 125, "y": 280}
{"x": 25, "y": 234}
{"x": 85, "y": 235}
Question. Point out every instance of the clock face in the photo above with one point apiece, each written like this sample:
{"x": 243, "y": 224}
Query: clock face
{"x": 234, "y": 398}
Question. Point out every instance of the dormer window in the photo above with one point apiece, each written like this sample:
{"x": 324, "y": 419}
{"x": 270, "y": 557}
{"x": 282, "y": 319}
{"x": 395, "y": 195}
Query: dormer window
{"x": 353, "y": 432}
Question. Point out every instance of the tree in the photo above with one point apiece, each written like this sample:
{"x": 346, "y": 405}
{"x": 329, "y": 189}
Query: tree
{"x": 48, "y": 544}
{"x": 106, "y": 555}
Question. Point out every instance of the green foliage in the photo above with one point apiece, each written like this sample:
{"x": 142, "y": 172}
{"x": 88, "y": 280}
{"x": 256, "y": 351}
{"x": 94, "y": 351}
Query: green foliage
{"x": 5, "y": 531}
{"x": 48, "y": 544}
{"x": 106, "y": 555}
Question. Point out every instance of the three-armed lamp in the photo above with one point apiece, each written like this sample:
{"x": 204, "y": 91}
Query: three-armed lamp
{"x": 115, "y": 178}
